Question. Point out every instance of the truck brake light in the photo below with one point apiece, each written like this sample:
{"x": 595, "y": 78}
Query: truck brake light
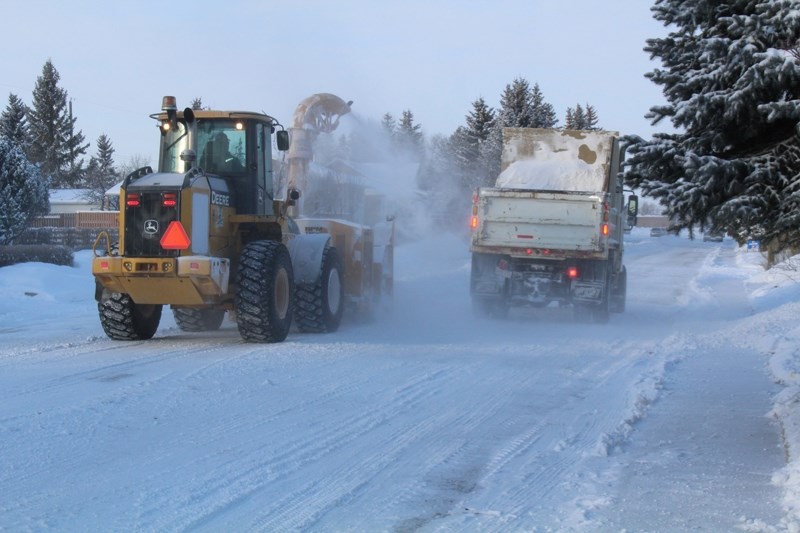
{"x": 572, "y": 272}
{"x": 604, "y": 230}
{"x": 132, "y": 200}
{"x": 473, "y": 223}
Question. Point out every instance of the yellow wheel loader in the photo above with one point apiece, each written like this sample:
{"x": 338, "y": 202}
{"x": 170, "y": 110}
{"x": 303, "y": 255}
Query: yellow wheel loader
{"x": 211, "y": 232}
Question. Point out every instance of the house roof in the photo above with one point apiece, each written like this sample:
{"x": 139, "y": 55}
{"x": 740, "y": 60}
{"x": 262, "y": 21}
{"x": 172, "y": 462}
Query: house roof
{"x": 70, "y": 196}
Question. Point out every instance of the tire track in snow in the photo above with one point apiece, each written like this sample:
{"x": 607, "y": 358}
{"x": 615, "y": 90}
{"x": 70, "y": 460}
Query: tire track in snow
{"x": 222, "y": 492}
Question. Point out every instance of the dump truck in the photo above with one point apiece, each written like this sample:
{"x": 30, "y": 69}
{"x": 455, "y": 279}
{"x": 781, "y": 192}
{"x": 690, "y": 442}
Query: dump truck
{"x": 210, "y": 233}
{"x": 551, "y": 230}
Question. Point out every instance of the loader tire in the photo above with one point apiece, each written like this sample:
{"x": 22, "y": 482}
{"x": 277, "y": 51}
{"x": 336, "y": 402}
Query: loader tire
{"x": 319, "y": 306}
{"x": 124, "y": 320}
{"x": 198, "y": 319}
{"x": 264, "y": 292}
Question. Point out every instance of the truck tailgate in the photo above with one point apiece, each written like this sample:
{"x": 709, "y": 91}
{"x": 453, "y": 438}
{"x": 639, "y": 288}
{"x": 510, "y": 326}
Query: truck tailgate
{"x": 519, "y": 218}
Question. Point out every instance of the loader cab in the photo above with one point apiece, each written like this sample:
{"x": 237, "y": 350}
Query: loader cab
{"x": 233, "y": 146}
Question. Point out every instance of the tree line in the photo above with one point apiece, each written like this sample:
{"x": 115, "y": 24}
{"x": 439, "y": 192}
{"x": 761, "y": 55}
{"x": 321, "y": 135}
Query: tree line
{"x": 41, "y": 149}
{"x": 730, "y": 74}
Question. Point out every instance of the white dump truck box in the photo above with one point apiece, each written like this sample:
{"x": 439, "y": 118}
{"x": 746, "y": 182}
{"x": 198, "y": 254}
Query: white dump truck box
{"x": 518, "y": 218}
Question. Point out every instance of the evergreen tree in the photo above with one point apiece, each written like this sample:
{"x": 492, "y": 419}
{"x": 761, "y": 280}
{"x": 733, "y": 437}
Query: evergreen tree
{"x": 733, "y": 89}
{"x": 579, "y": 119}
{"x": 100, "y": 173}
{"x": 409, "y": 135}
{"x": 13, "y": 122}
{"x": 591, "y": 118}
{"x": 542, "y": 114}
{"x": 467, "y": 144}
{"x": 55, "y": 145}
{"x": 197, "y": 104}
{"x": 389, "y": 125}
{"x": 516, "y": 105}
{"x": 23, "y": 192}
{"x": 75, "y": 147}
{"x": 569, "y": 119}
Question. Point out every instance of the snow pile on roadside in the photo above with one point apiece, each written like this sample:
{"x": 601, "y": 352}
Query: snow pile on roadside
{"x": 775, "y": 295}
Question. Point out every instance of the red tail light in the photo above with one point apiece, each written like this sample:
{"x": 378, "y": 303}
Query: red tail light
{"x": 132, "y": 200}
{"x": 473, "y": 223}
{"x": 572, "y": 272}
{"x": 169, "y": 199}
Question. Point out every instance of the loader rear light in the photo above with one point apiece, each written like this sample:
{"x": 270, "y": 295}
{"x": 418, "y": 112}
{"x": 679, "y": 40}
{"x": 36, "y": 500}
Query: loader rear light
{"x": 133, "y": 200}
{"x": 169, "y": 199}
{"x": 104, "y": 265}
{"x": 572, "y": 272}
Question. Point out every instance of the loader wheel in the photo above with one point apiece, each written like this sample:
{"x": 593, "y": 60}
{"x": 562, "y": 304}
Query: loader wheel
{"x": 264, "y": 290}
{"x": 198, "y": 319}
{"x": 319, "y": 306}
{"x": 124, "y": 320}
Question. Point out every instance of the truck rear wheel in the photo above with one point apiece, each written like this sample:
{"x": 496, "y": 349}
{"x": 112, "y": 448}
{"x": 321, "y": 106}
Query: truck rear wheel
{"x": 602, "y": 312}
{"x": 124, "y": 320}
{"x": 490, "y": 307}
{"x": 264, "y": 292}
{"x": 620, "y": 292}
{"x": 319, "y": 306}
{"x": 198, "y": 319}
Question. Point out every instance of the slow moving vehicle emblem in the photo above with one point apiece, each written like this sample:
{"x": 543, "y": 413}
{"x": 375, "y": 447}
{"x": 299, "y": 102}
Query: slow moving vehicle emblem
{"x": 151, "y": 226}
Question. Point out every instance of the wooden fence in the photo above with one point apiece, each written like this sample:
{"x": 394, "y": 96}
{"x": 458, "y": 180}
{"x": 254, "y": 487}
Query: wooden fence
{"x": 74, "y": 230}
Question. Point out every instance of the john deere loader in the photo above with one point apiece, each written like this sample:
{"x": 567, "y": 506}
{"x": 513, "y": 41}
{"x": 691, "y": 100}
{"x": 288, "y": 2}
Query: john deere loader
{"x": 209, "y": 233}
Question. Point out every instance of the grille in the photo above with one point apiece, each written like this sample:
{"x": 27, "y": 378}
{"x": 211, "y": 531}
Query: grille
{"x": 145, "y": 225}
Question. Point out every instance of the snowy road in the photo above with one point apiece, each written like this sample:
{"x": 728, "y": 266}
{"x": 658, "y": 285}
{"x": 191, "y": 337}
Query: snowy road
{"x": 426, "y": 419}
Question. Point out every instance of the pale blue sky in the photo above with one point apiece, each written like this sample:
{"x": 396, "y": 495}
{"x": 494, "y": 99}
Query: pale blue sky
{"x": 434, "y": 57}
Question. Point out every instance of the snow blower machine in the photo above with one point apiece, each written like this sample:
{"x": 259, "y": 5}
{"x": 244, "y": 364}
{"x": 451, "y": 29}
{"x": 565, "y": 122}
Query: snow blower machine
{"x": 216, "y": 230}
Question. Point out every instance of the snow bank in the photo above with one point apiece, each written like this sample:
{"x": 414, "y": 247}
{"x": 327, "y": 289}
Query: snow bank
{"x": 775, "y": 296}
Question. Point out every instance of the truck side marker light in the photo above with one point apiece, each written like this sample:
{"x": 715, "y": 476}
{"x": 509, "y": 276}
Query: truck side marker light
{"x": 572, "y": 272}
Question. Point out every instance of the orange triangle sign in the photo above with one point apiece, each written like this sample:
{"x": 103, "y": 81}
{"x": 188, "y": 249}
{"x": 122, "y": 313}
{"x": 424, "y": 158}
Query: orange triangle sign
{"x": 175, "y": 238}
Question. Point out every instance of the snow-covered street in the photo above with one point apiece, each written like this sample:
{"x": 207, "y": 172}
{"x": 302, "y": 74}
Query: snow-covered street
{"x": 680, "y": 414}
